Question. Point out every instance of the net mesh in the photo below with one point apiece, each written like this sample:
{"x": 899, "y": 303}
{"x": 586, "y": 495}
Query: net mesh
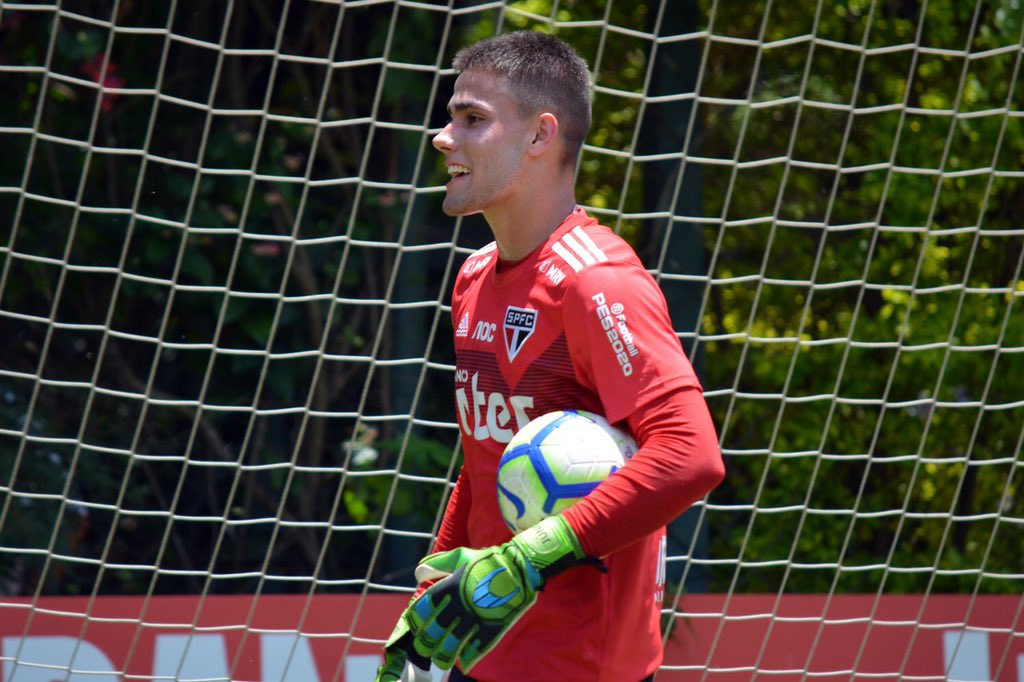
{"x": 225, "y": 343}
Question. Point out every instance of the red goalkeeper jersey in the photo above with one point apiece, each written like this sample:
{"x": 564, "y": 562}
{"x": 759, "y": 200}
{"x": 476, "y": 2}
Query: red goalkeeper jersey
{"x": 577, "y": 324}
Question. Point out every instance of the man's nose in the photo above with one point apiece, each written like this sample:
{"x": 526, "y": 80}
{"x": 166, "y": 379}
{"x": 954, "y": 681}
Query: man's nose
{"x": 443, "y": 141}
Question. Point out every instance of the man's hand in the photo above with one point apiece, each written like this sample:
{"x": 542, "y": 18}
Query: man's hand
{"x": 401, "y": 663}
{"x": 394, "y": 667}
{"x": 397, "y": 668}
{"x": 480, "y": 593}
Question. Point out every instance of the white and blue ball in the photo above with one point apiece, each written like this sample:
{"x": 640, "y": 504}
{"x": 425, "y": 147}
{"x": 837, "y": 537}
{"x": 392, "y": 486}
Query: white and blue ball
{"x": 554, "y": 461}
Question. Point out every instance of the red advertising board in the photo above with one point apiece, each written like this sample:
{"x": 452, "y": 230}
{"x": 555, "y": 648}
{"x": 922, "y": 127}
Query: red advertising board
{"x": 866, "y": 637}
{"x": 720, "y": 638}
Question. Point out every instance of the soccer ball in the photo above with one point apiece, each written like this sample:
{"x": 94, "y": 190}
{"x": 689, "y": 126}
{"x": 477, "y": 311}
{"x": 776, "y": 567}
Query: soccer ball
{"x": 554, "y": 461}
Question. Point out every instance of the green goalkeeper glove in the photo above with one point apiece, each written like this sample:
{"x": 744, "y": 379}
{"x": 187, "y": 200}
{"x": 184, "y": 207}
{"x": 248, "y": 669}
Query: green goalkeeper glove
{"x": 480, "y": 593}
{"x": 401, "y": 662}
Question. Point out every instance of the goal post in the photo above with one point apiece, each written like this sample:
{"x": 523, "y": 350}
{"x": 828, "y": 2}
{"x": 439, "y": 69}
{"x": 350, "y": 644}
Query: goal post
{"x": 227, "y": 429}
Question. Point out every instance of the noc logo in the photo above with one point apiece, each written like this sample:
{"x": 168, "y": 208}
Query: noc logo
{"x": 519, "y": 325}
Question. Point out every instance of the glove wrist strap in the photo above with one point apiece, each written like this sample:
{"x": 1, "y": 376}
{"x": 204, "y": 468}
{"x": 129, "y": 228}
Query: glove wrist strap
{"x": 551, "y": 546}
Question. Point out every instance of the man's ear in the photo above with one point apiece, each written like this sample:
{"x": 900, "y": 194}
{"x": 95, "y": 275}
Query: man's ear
{"x": 544, "y": 134}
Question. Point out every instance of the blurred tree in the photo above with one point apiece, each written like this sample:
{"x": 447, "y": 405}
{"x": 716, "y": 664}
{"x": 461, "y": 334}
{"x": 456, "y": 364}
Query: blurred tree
{"x": 861, "y": 210}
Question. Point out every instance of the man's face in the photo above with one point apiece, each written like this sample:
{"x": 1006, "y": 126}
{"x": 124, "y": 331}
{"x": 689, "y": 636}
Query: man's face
{"x": 484, "y": 144}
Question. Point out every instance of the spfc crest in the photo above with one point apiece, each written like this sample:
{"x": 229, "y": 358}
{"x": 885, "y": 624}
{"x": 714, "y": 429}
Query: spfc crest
{"x": 519, "y": 324}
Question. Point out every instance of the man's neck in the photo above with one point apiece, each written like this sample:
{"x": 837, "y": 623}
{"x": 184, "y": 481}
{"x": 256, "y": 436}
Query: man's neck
{"x": 520, "y": 229}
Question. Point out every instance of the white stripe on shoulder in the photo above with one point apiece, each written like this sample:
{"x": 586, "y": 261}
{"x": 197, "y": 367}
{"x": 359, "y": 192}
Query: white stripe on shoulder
{"x": 572, "y": 261}
{"x": 589, "y": 243}
{"x": 578, "y": 249}
{"x": 581, "y": 251}
{"x": 484, "y": 249}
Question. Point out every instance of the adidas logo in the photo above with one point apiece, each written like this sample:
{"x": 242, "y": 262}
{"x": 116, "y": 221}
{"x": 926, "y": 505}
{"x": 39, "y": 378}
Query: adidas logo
{"x": 463, "y": 329}
{"x": 578, "y": 250}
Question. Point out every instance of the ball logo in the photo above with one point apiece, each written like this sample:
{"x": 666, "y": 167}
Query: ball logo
{"x": 519, "y": 325}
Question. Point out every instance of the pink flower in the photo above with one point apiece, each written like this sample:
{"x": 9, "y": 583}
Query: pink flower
{"x": 266, "y": 248}
{"x": 93, "y": 69}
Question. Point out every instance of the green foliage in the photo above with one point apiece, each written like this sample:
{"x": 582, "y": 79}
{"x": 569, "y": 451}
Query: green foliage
{"x": 364, "y": 503}
{"x": 874, "y": 435}
{"x": 864, "y": 283}
{"x": 270, "y": 443}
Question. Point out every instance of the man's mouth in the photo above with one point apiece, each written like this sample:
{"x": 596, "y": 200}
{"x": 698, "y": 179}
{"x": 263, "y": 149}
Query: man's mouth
{"x": 457, "y": 170}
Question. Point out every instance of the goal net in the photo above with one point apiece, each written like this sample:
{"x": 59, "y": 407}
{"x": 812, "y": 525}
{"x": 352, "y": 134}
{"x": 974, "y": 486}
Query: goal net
{"x": 227, "y": 430}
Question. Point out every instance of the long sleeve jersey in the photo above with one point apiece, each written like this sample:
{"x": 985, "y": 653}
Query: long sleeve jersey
{"x": 579, "y": 324}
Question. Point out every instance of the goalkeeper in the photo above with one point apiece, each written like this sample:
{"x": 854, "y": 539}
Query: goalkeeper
{"x": 557, "y": 313}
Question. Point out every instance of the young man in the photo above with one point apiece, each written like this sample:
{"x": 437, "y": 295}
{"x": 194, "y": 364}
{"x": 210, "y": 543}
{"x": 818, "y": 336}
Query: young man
{"x": 556, "y": 313}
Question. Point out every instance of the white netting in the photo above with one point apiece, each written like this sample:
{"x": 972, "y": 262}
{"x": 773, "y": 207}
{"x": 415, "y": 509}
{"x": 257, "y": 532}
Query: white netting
{"x": 225, "y": 355}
